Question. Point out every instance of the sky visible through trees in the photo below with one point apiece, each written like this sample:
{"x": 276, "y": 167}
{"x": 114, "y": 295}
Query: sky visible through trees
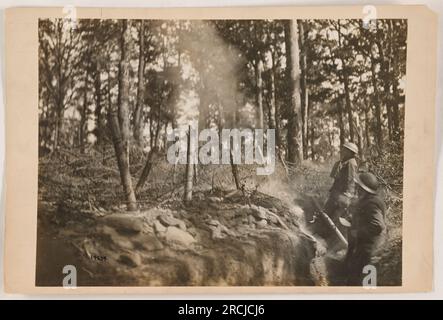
{"x": 318, "y": 83}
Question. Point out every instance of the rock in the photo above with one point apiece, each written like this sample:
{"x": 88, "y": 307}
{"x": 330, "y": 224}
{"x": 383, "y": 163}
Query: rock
{"x": 99, "y": 213}
{"x": 152, "y": 214}
{"x": 296, "y": 211}
{"x": 280, "y": 221}
{"x": 213, "y": 222}
{"x": 273, "y": 210}
{"x": 149, "y": 242}
{"x": 89, "y": 248}
{"x": 259, "y": 212}
{"x": 148, "y": 228}
{"x": 226, "y": 230}
{"x": 177, "y": 236}
{"x": 273, "y": 219}
{"x": 215, "y": 199}
{"x": 123, "y": 243}
{"x": 124, "y": 223}
{"x": 192, "y": 231}
{"x": 233, "y": 193}
{"x": 251, "y": 219}
{"x": 116, "y": 238}
{"x": 215, "y": 205}
{"x": 169, "y": 220}
{"x": 130, "y": 259}
{"x": 216, "y": 232}
{"x": 262, "y": 223}
{"x": 198, "y": 196}
{"x": 219, "y": 231}
{"x": 158, "y": 227}
{"x": 270, "y": 203}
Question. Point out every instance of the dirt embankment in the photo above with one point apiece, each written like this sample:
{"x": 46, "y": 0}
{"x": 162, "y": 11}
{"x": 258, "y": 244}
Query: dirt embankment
{"x": 219, "y": 239}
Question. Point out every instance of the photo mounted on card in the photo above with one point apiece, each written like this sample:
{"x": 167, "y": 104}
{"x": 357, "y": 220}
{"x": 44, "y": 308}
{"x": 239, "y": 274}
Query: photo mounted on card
{"x": 223, "y": 150}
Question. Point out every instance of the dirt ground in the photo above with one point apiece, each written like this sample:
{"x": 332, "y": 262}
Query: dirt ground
{"x": 258, "y": 237}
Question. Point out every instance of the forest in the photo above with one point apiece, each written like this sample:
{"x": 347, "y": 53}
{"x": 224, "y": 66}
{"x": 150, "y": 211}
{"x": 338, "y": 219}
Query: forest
{"x": 110, "y": 92}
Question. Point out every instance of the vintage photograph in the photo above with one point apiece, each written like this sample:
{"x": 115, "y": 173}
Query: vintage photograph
{"x": 220, "y": 152}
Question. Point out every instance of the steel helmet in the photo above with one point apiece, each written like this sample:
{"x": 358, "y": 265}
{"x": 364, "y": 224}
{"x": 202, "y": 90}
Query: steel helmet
{"x": 368, "y": 182}
{"x": 351, "y": 146}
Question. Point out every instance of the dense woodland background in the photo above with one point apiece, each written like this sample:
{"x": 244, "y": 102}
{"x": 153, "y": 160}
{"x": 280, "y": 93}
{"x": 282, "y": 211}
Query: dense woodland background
{"x": 318, "y": 83}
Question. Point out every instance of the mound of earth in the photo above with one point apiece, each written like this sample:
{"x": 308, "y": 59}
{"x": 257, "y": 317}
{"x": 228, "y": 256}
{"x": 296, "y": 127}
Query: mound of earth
{"x": 221, "y": 238}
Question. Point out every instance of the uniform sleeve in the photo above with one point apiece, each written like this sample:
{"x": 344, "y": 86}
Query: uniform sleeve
{"x": 334, "y": 170}
{"x": 351, "y": 173}
{"x": 374, "y": 224}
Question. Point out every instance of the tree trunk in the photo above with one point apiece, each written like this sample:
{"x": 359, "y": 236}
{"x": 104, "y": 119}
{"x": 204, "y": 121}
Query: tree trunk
{"x": 59, "y": 94}
{"x": 367, "y": 124}
{"x": 151, "y": 129}
{"x": 310, "y": 128}
{"x": 122, "y": 161}
{"x": 359, "y": 138}
{"x": 341, "y": 125}
{"x": 82, "y": 124}
{"x": 396, "y": 97}
{"x": 349, "y": 109}
{"x": 345, "y": 79}
{"x": 203, "y": 109}
{"x": 119, "y": 124}
{"x": 165, "y": 137}
{"x": 123, "y": 86}
{"x": 303, "y": 88}
{"x": 234, "y": 171}
{"x": 259, "y": 92}
{"x": 98, "y": 110}
{"x": 274, "y": 102}
{"x": 378, "y": 127}
{"x": 395, "y": 111}
{"x": 305, "y": 124}
{"x": 146, "y": 170}
{"x": 138, "y": 132}
{"x": 294, "y": 136}
{"x": 189, "y": 171}
{"x": 385, "y": 71}
{"x": 83, "y": 120}
{"x": 312, "y": 143}
{"x": 158, "y": 129}
{"x": 58, "y": 130}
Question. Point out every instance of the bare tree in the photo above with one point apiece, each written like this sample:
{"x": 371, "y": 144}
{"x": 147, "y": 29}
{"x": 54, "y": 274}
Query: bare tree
{"x": 189, "y": 170}
{"x": 119, "y": 121}
{"x": 140, "y": 87}
{"x": 294, "y": 137}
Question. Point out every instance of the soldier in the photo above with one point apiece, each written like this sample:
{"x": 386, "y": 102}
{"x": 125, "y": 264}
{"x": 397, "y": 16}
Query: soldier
{"x": 368, "y": 228}
{"x": 342, "y": 191}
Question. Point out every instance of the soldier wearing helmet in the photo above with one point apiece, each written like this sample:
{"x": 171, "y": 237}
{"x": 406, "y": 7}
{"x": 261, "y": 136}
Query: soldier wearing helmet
{"x": 342, "y": 191}
{"x": 368, "y": 228}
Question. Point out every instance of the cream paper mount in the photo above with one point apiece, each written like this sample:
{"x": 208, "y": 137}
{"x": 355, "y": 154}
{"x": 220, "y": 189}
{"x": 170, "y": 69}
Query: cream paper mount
{"x": 45, "y": 231}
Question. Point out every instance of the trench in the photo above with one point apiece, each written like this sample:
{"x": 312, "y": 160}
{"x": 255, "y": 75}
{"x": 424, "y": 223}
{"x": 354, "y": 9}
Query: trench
{"x": 245, "y": 254}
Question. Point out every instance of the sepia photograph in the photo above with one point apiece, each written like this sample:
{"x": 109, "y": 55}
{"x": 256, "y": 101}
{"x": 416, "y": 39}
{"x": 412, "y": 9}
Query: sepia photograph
{"x": 220, "y": 152}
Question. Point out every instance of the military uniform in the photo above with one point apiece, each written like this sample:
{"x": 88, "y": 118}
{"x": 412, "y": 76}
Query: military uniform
{"x": 368, "y": 231}
{"x": 342, "y": 190}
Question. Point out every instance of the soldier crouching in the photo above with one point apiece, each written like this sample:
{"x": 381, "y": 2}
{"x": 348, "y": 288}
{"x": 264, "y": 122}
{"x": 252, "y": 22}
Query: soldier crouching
{"x": 368, "y": 228}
